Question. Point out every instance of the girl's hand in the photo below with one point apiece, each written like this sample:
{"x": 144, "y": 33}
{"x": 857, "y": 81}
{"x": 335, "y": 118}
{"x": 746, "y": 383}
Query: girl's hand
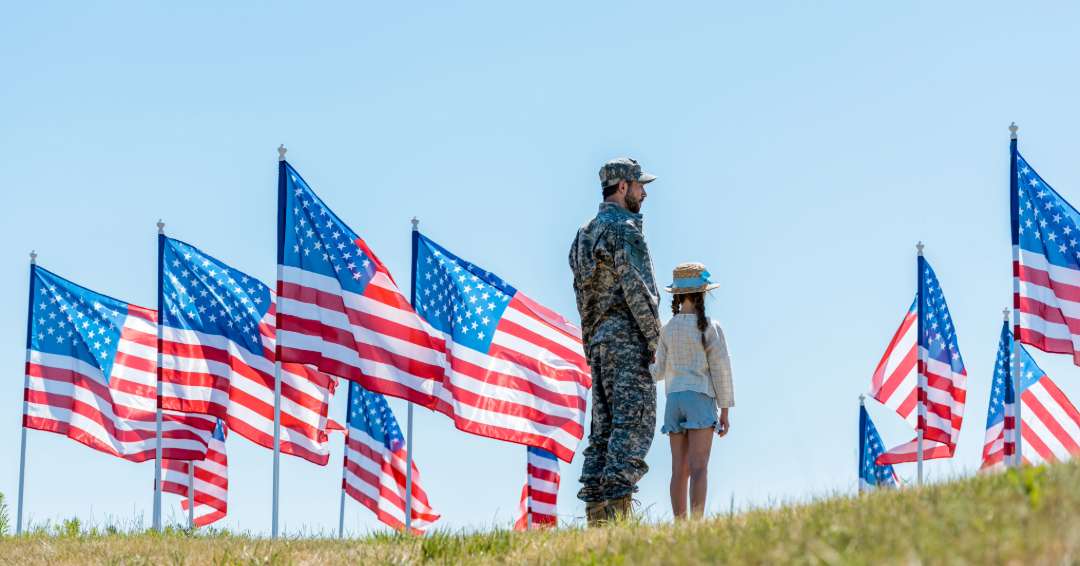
{"x": 725, "y": 425}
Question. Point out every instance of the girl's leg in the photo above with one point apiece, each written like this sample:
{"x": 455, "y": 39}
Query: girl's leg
{"x": 700, "y": 446}
{"x": 680, "y": 473}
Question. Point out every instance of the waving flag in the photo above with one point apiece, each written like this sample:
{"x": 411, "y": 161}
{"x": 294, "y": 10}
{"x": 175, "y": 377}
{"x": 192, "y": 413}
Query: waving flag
{"x": 1046, "y": 263}
{"x": 896, "y": 377}
{"x": 375, "y": 467}
{"x": 540, "y": 492}
{"x": 91, "y": 374}
{"x": 516, "y": 370}
{"x": 211, "y": 481}
{"x": 946, "y": 379}
{"x": 871, "y": 475}
{"x": 1050, "y": 423}
{"x": 523, "y": 381}
{"x": 999, "y": 444}
{"x": 218, "y": 355}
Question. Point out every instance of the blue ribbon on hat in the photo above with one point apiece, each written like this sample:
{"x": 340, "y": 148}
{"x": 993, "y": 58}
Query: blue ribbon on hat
{"x": 685, "y": 282}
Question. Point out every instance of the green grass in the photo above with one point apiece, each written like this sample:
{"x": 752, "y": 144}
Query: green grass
{"x": 1027, "y": 518}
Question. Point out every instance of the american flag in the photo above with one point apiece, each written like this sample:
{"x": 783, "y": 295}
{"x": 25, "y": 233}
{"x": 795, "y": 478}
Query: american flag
{"x": 1046, "y": 263}
{"x": 515, "y": 369}
{"x": 896, "y": 377}
{"x": 1050, "y": 423}
{"x": 540, "y": 492}
{"x": 91, "y": 374}
{"x": 211, "y": 481}
{"x": 218, "y": 355}
{"x": 945, "y": 376}
{"x": 999, "y": 444}
{"x": 374, "y": 471}
{"x": 524, "y": 380}
{"x": 871, "y": 475}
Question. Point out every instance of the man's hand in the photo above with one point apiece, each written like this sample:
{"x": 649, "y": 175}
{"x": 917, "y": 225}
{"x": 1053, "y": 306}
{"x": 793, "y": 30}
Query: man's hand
{"x": 725, "y": 425}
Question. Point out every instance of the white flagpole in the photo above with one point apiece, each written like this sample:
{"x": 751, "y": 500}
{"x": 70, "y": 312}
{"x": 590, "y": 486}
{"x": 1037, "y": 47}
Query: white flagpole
{"x": 1017, "y": 370}
{"x": 157, "y": 461}
{"x": 277, "y": 399}
{"x": 408, "y": 434}
{"x": 277, "y": 429}
{"x": 922, "y": 377}
{"x": 528, "y": 492}
{"x": 26, "y": 405}
{"x": 345, "y": 464}
{"x": 408, "y": 475}
{"x": 191, "y": 494}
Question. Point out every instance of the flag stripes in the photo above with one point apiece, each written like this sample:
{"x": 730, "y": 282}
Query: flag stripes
{"x": 211, "y": 481}
{"x": 541, "y": 489}
{"x": 67, "y": 392}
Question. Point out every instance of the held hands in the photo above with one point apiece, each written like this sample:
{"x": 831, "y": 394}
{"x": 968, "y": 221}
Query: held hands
{"x": 725, "y": 425}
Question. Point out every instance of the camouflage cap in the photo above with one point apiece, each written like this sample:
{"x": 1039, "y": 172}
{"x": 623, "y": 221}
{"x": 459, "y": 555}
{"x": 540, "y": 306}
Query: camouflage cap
{"x": 624, "y": 169}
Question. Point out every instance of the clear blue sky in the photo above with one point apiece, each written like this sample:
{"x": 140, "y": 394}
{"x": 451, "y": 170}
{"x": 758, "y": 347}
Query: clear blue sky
{"x": 802, "y": 150}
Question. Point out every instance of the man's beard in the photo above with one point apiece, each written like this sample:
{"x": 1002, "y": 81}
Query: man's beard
{"x": 633, "y": 204}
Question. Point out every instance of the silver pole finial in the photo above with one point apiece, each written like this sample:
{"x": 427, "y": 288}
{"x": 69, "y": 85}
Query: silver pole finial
{"x": 1006, "y": 311}
{"x": 415, "y": 223}
{"x": 1013, "y": 129}
{"x": 919, "y": 246}
{"x": 33, "y": 257}
{"x": 160, "y": 227}
{"x": 281, "y": 152}
{"x": 862, "y": 400}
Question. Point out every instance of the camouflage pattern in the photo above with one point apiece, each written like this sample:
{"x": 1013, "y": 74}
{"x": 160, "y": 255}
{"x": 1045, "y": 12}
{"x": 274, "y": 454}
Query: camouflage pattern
{"x": 624, "y": 169}
{"x": 618, "y": 301}
{"x": 623, "y": 421}
{"x": 614, "y": 282}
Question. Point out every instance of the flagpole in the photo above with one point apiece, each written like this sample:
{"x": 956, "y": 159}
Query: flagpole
{"x": 191, "y": 494}
{"x": 26, "y": 385}
{"x": 1011, "y": 349}
{"x": 160, "y": 337}
{"x": 1017, "y": 375}
{"x": 862, "y": 439}
{"x": 345, "y": 465}
{"x": 528, "y": 492}
{"x": 922, "y": 376}
{"x": 408, "y": 440}
{"x": 277, "y": 343}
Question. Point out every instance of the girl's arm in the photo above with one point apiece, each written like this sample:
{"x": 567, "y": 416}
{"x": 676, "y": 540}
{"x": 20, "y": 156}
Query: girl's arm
{"x": 657, "y": 368}
{"x": 719, "y": 366}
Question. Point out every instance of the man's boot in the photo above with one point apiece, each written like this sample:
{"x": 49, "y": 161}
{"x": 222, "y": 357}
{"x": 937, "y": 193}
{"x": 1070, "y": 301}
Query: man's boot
{"x": 596, "y": 513}
{"x": 620, "y": 509}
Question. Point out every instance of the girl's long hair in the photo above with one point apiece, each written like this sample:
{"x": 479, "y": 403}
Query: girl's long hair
{"x": 699, "y": 307}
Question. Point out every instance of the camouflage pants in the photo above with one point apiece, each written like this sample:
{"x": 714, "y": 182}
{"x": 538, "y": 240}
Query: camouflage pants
{"x": 623, "y": 421}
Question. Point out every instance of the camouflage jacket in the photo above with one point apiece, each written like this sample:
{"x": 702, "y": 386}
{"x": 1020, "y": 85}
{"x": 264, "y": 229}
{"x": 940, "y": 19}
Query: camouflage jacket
{"x": 614, "y": 282}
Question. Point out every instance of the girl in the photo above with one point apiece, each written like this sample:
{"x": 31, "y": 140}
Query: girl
{"x": 693, "y": 359}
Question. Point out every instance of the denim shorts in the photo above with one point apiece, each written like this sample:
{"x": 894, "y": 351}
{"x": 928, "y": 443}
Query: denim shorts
{"x": 689, "y": 409}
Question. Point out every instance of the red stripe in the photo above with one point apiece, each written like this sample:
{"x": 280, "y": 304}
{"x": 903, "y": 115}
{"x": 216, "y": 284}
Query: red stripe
{"x": 562, "y": 352}
{"x": 879, "y": 374}
{"x": 1049, "y": 421}
{"x": 1033, "y": 440}
{"x": 1042, "y": 278}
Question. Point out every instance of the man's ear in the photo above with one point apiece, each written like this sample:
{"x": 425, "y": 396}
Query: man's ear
{"x": 624, "y": 187}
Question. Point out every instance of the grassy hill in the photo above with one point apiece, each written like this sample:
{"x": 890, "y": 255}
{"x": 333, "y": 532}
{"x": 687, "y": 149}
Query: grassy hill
{"x": 1027, "y": 518}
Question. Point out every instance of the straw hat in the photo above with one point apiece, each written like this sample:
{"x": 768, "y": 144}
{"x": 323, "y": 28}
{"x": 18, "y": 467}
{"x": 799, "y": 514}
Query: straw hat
{"x": 690, "y": 278}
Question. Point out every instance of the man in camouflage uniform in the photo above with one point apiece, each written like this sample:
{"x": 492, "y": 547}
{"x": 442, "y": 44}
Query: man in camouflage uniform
{"x": 617, "y": 299}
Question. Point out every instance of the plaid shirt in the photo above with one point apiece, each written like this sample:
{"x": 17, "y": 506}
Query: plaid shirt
{"x": 688, "y": 365}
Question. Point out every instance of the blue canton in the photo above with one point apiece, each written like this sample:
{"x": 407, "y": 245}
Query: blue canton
{"x": 1002, "y": 392}
{"x": 1030, "y": 372}
{"x": 69, "y": 320}
{"x": 872, "y": 474}
{"x": 369, "y": 412}
{"x": 202, "y": 294}
{"x": 1047, "y": 223}
{"x": 457, "y": 297}
{"x": 316, "y": 240}
{"x": 939, "y": 336}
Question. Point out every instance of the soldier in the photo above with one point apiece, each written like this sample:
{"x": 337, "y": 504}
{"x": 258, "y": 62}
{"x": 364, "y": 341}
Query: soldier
{"x": 618, "y": 301}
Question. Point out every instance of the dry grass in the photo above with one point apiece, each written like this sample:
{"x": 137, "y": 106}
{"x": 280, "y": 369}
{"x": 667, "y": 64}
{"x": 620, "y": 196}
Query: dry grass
{"x": 1030, "y": 518}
